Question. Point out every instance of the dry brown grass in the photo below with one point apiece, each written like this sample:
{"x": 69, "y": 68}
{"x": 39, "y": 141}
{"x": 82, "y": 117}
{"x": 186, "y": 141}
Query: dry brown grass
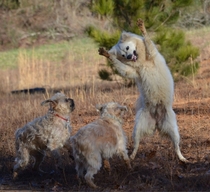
{"x": 73, "y": 71}
{"x": 75, "y": 67}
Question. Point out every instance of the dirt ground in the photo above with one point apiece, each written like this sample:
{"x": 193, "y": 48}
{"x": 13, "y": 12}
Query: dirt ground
{"x": 155, "y": 168}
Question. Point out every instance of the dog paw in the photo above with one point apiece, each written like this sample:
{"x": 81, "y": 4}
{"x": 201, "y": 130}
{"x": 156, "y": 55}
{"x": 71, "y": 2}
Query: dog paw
{"x": 43, "y": 172}
{"x": 107, "y": 166}
{"x": 15, "y": 174}
{"x": 93, "y": 186}
{"x": 103, "y": 52}
{"x": 184, "y": 160}
{"x": 129, "y": 166}
{"x": 140, "y": 24}
{"x": 132, "y": 156}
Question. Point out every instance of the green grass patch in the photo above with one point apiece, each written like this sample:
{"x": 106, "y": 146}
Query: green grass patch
{"x": 49, "y": 52}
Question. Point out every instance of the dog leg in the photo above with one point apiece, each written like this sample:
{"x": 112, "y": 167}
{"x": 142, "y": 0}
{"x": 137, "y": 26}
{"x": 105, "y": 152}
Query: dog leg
{"x": 94, "y": 162}
{"x": 123, "y": 152}
{"x": 38, "y": 156}
{"x": 59, "y": 161}
{"x": 102, "y": 51}
{"x": 89, "y": 176}
{"x": 107, "y": 165}
{"x": 80, "y": 169}
{"x": 150, "y": 47}
{"x": 144, "y": 125}
{"x": 170, "y": 128}
{"x": 22, "y": 160}
{"x": 124, "y": 70}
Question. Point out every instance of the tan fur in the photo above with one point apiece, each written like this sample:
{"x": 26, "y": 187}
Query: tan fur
{"x": 99, "y": 140}
{"x": 47, "y": 133}
{"x": 137, "y": 58}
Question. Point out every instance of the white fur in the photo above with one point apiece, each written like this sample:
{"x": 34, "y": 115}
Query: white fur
{"x": 47, "y": 133}
{"x": 156, "y": 86}
{"x": 99, "y": 140}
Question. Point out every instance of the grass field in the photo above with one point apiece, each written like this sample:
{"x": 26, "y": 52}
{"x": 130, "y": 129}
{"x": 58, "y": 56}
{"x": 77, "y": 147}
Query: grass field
{"x": 50, "y": 52}
{"x": 57, "y": 65}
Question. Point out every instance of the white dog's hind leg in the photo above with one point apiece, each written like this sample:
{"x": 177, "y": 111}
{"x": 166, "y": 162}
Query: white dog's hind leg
{"x": 170, "y": 128}
{"x": 144, "y": 125}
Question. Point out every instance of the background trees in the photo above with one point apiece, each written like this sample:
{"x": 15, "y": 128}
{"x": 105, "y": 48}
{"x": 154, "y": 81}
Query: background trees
{"x": 160, "y": 18}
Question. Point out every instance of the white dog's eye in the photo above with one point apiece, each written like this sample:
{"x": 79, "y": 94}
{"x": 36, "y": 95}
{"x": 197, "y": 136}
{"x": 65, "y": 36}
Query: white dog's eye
{"x": 123, "y": 55}
{"x": 127, "y": 47}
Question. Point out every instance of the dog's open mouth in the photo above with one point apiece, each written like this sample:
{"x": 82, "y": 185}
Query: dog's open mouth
{"x": 134, "y": 58}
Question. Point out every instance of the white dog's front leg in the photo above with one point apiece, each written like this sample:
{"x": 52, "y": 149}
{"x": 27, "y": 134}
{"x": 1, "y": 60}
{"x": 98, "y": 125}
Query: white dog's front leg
{"x": 149, "y": 45}
{"x": 124, "y": 70}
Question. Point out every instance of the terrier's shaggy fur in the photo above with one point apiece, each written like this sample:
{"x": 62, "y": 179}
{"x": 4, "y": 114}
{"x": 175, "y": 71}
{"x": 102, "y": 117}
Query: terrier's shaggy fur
{"x": 47, "y": 133}
{"x": 136, "y": 57}
{"x": 100, "y": 139}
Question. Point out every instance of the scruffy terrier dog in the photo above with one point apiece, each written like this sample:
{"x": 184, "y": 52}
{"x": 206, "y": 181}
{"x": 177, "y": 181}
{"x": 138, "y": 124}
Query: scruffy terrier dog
{"x": 47, "y": 133}
{"x": 99, "y": 140}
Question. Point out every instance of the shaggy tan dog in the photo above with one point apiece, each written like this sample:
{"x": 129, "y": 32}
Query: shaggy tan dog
{"x": 137, "y": 58}
{"x": 100, "y": 139}
{"x": 47, "y": 133}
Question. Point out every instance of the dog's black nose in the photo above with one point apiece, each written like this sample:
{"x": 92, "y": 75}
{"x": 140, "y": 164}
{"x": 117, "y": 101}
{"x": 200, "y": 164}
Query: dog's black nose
{"x": 129, "y": 56}
{"x": 72, "y": 105}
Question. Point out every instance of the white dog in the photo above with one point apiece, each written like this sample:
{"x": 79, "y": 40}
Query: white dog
{"x": 49, "y": 132}
{"x": 100, "y": 139}
{"x": 136, "y": 57}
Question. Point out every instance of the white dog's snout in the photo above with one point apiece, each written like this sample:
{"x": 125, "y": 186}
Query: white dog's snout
{"x": 129, "y": 56}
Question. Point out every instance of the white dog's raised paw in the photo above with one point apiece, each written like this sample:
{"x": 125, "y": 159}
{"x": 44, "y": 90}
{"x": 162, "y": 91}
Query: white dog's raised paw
{"x": 103, "y": 52}
{"x": 140, "y": 24}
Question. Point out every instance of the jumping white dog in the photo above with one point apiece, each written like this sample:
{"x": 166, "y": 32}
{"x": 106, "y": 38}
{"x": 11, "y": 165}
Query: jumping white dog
{"x": 137, "y": 58}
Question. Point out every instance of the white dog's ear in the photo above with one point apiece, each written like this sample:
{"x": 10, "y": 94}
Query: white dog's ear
{"x": 124, "y": 35}
{"x": 99, "y": 107}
